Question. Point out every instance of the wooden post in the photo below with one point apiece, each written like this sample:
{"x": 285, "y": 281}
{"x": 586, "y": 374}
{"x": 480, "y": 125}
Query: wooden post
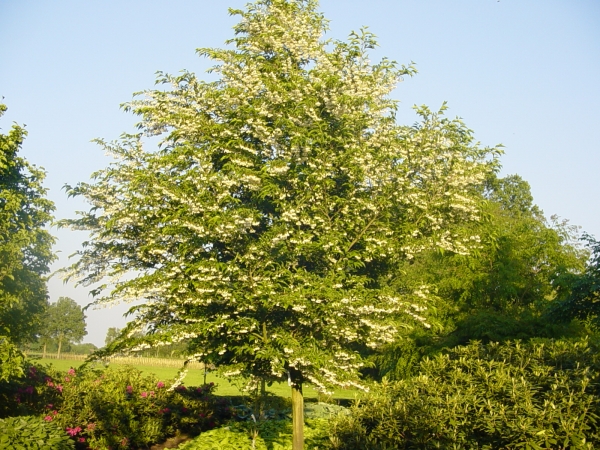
{"x": 297, "y": 417}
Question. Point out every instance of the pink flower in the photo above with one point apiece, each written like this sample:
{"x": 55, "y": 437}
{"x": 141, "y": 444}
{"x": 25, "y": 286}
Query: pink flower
{"x": 160, "y": 384}
{"x": 54, "y": 413}
{"x": 91, "y": 426}
{"x": 73, "y": 431}
{"x": 144, "y": 394}
{"x": 50, "y": 406}
{"x": 130, "y": 389}
{"x": 81, "y": 439}
{"x": 67, "y": 379}
{"x": 29, "y": 390}
{"x": 71, "y": 372}
{"x": 151, "y": 393}
{"x": 48, "y": 418}
{"x": 59, "y": 388}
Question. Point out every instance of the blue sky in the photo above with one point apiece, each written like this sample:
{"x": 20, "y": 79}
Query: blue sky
{"x": 521, "y": 73}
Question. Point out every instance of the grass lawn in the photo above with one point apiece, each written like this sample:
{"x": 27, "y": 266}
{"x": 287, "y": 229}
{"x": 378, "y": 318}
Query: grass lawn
{"x": 195, "y": 377}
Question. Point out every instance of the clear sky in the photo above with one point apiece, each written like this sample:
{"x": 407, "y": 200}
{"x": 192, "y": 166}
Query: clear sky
{"x": 522, "y": 73}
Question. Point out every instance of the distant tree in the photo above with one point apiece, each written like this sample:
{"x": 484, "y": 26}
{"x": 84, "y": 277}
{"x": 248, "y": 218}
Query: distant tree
{"x": 64, "y": 322}
{"x": 111, "y": 334}
{"x": 86, "y": 348}
{"x": 267, "y": 228}
{"x": 25, "y": 245}
{"x": 582, "y": 301}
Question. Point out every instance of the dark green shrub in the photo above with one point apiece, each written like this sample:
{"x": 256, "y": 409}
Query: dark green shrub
{"x": 33, "y": 393}
{"x": 32, "y": 433}
{"x": 538, "y": 395}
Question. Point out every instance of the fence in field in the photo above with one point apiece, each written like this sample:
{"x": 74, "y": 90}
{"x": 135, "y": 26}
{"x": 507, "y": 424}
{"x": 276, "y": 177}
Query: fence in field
{"x": 131, "y": 360}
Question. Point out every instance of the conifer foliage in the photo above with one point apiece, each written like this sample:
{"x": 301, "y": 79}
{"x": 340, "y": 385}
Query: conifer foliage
{"x": 265, "y": 229}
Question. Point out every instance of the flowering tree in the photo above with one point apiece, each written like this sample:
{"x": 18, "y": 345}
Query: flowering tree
{"x": 265, "y": 229}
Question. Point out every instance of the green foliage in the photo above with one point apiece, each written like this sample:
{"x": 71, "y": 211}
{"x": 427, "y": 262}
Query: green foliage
{"x": 265, "y": 435}
{"x": 25, "y": 249}
{"x": 32, "y": 433}
{"x": 538, "y": 395}
{"x": 284, "y": 196}
{"x": 502, "y": 289}
{"x": 64, "y": 322}
{"x": 583, "y": 297}
{"x": 111, "y": 335}
{"x": 30, "y": 394}
{"x": 123, "y": 408}
{"x": 11, "y": 360}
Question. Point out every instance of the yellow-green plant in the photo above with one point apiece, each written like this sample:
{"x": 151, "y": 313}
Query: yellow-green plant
{"x": 539, "y": 395}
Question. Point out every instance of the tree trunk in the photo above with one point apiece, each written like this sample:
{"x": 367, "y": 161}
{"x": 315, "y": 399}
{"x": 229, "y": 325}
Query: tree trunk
{"x": 44, "y": 351}
{"x": 59, "y": 347}
{"x": 297, "y": 417}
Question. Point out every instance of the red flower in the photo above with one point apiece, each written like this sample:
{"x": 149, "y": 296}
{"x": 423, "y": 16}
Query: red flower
{"x": 73, "y": 431}
{"x": 48, "y": 418}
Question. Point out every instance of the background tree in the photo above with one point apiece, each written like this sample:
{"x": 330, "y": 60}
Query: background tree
{"x": 581, "y": 295}
{"x": 111, "y": 334}
{"x": 502, "y": 289}
{"x": 267, "y": 229}
{"x": 64, "y": 322}
{"x": 25, "y": 246}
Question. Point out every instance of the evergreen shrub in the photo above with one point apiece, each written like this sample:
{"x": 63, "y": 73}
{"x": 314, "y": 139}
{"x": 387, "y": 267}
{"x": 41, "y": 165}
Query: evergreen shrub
{"x": 539, "y": 395}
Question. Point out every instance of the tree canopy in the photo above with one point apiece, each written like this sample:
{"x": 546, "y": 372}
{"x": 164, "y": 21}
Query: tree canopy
{"x": 25, "y": 245}
{"x": 267, "y": 228}
{"x": 64, "y": 322}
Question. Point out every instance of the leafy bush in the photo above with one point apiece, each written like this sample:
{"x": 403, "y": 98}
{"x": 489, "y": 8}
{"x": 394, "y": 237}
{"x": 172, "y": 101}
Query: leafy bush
{"x": 122, "y": 408}
{"x": 32, "y": 433}
{"x": 30, "y": 394}
{"x": 270, "y": 434}
{"x": 537, "y": 395}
